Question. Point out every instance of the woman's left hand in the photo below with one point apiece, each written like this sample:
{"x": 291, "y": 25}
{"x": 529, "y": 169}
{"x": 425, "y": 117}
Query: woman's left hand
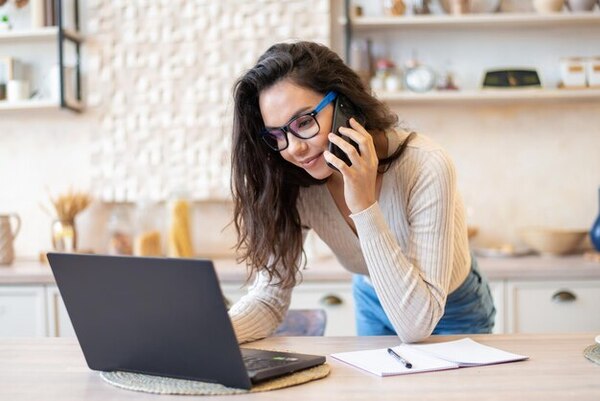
{"x": 360, "y": 178}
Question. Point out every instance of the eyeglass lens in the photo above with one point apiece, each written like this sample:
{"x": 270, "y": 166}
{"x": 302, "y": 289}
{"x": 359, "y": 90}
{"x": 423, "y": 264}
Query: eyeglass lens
{"x": 304, "y": 127}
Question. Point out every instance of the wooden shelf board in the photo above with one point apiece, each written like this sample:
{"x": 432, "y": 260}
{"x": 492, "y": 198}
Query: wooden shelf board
{"x": 491, "y": 95}
{"x": 46, "y": 33}
{"x": 29, "y": 105}
{"x": 476, "y": 20}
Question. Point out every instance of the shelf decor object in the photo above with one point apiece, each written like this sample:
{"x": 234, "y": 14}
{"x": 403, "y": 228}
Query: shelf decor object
{"x": 65, "y": 209}
{"x": 595, "y": 231}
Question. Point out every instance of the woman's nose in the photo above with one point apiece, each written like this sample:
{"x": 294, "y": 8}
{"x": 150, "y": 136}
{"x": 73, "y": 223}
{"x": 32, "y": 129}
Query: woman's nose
{"x": 296, "y": 145}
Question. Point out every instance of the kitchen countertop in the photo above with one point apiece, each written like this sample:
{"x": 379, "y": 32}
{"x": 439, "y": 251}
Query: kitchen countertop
{"x": 54, "y": 369}
{"x": 328, "y": 269}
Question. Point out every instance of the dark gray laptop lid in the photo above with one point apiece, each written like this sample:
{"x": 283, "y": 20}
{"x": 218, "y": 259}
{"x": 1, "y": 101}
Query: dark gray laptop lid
{"x": 151, "y": 315}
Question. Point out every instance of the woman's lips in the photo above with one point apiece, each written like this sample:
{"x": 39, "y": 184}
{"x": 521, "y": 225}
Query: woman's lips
{"x": 310, "y": 161}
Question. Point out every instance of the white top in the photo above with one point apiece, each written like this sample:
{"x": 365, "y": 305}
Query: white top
{"x": 412, "y": 244}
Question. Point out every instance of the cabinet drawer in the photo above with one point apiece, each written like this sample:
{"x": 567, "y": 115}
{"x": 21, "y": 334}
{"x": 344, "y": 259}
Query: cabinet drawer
{"x": 552, "y": 306}
{"x": 22, "y": 311}
{"x": 337, "y": 301}
{"x": 335, "y": 298}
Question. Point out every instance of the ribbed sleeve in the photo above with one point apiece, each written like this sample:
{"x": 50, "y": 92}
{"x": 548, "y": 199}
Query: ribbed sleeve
{"x": 257, "y": 314}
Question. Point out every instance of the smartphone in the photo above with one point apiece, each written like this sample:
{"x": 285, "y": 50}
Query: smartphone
{"x": 342, "y": 112}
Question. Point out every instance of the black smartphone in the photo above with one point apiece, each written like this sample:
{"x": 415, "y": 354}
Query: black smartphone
{"x": 342, "y": 112}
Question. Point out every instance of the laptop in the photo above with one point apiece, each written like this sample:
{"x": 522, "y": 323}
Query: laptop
{"x": 163, "y": 317}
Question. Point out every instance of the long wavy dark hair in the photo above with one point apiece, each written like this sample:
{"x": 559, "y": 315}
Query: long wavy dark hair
{"x": 265, "y": 187}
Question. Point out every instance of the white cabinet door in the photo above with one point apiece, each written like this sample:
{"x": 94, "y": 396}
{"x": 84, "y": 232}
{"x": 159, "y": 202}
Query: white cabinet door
{"x": 59, "y": 324}
{"x": 553, "y": 306}
{"x": 23, "y": 311}
{"x": 497, "y": 288}
{"x": 337, "y": 301}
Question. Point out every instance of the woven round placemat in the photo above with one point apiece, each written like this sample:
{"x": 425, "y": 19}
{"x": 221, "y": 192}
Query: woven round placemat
{"x": 167, "y": 385}
{"x": 592, "y": 353}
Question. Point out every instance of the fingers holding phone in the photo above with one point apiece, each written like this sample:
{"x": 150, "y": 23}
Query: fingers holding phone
{"x": 359, "y": 177}
{"x": 353, "y": 145}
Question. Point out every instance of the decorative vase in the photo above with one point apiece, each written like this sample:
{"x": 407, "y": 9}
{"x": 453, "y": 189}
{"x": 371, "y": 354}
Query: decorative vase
{"x": 595, "y": 230}
{"x": 64, "y": 236}
{"x": 7, "y": 237}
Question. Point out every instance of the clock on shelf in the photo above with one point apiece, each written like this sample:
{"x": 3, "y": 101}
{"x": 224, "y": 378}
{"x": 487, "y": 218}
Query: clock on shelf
{"x": 420, "y": 78}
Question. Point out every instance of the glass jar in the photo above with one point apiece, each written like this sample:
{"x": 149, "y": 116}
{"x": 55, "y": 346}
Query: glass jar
{"x": 148, "y": 238}
{"x": 120, "y": 232}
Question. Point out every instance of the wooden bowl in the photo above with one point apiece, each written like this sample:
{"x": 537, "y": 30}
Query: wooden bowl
{"x": 553, "y": 241}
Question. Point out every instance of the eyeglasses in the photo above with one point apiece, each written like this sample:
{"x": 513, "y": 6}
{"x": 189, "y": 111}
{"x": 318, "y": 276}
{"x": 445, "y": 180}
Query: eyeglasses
{"x": 304, "y": 126}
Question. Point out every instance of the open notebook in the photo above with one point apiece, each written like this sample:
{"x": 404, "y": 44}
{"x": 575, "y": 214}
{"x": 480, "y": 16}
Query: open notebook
{"x": 427, "y": 357}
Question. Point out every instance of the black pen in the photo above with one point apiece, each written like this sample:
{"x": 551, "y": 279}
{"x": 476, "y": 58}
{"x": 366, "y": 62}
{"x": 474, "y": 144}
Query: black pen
{"x": 393, "y": 353}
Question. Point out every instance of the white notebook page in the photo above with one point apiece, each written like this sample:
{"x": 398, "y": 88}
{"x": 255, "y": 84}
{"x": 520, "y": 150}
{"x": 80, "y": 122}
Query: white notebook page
{"x": 467, "y": 352}
{"x": 379, "y": 362}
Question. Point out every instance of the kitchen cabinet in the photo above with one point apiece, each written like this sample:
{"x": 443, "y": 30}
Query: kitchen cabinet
{"x": 38, "y": 49}
{"x": 553, "y": 306}
{"x": 497, "y": 288}
{"x": 468, "y": 45}
{"x": 337, "y": 301}
{"x": 532, "y": 294}
{"x": 59, "y": 323}
{"x": 333, "y": 297}
{"x": 22, "y": 311}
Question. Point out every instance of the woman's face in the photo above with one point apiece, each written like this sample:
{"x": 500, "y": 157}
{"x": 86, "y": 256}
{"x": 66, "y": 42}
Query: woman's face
{"x": 279, "y": 104}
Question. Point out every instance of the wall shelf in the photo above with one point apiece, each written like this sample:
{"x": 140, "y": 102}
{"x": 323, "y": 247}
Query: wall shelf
{"x": 490, "y": 96}
{"x": 42, "y": 34}
{"x": 38, "y": 105}
{"x": 28, "y": 105}
{"x": 477, "y": 20}
{"x": 58, "y": 34}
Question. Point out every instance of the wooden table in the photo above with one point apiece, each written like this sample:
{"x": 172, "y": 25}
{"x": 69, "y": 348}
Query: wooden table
{"x": 54, "y": 369}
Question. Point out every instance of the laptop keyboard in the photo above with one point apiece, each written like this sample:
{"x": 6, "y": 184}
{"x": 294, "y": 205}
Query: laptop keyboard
{"x": 254, "y": 363}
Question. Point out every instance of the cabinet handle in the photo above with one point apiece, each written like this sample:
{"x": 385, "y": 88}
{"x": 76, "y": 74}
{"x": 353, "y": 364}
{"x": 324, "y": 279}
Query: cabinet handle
{"x": 330, "y": 300}
{"x": 563, "y": 296}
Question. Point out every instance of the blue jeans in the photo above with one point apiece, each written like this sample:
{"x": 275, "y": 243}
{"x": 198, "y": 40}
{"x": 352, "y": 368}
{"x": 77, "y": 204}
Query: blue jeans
{"x": 469, "y": 309}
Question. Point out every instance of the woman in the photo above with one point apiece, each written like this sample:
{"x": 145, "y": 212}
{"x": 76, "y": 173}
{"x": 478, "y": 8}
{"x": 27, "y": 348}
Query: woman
{"x": 393, "y": 217}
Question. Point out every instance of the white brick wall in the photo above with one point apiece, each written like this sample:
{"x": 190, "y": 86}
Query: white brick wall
{"x": 161, "y": 74}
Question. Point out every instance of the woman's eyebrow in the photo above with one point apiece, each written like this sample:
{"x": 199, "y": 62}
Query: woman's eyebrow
{"x": 296, "y": 114}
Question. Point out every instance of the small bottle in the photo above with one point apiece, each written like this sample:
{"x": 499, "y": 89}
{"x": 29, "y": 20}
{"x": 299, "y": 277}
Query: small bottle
{"x": 120, "y": 232}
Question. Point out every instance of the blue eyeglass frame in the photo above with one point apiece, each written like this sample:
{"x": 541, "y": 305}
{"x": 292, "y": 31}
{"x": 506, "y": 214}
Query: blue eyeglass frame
{"x": 329, "y": 97}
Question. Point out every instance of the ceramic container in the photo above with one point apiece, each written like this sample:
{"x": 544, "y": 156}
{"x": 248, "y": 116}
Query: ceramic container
{"x": 475, "y": 6}
{"x": 17, "y": 90}
{"x": 580, "y": 5}
{"x": 572, "y": 72}
{"x": 8, "y": 233}
{"x": 548, "y": 6}
{"x": 592, "y": 71}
